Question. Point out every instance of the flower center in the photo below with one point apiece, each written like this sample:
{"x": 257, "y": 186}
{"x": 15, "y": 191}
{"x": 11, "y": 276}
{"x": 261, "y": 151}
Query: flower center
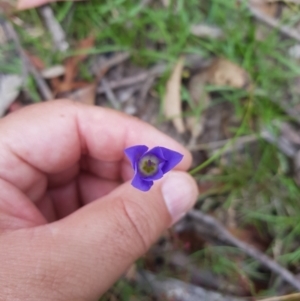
{"x": 148, "y": 165}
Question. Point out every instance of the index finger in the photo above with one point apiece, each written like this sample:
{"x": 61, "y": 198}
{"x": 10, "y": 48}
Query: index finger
{"x": 52, "y": 136}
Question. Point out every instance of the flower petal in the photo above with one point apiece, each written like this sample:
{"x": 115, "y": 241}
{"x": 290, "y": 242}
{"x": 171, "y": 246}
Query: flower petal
{"x": 140, "y": 183}
{"x": 134, "y": 153}
{"x": 172, "y": 159}
{"x": 157, "y": 152}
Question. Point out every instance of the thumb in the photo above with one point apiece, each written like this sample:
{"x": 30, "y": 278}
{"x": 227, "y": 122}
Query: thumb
{"x": 97, "y": 244}
{"x": 82, "y": 255}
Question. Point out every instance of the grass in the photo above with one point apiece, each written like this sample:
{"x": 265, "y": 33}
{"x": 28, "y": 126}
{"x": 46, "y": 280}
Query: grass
{"x": 259, "y": 189}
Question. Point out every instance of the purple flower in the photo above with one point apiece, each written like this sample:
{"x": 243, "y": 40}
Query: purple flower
{"x": 150, "y": 165}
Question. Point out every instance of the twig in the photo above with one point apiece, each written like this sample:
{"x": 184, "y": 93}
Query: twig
{"x": 115, "y": 60}
{"x": 286, "y": 30}
{"x": 284, "y": 298}
{"x": 111, "y": 62}
{"x": 286, "y": 142}
{"x": 285, "y": 1}
{"x": 110, "y": 95}
{"x": 289, "y": 110}
{"x": 291, "y": 133}
{"x": 218, "y": 231}
{"x": 126, "y": 94}
{"x": 145, "y": 88}
{"x": 129, "y": 81}
{"x": 125, "y": 82}
{"x": 42, "y": 85}
{"x": 154, "y": 72}
{"x": 217, "y": 144}
{"x": 56, "y": 31}
{"x": 173, "y": 289}
{"x": 282, "y": 143}
{"x": 202, "y": 277}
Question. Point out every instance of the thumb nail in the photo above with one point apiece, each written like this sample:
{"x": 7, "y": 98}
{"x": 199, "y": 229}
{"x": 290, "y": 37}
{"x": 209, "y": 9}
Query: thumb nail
{"x": 180, "y": 194}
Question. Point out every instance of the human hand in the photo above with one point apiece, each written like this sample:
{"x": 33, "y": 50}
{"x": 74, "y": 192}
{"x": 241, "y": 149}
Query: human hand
{"x": 68, "y": 226}
{"x": 25, "y": 4}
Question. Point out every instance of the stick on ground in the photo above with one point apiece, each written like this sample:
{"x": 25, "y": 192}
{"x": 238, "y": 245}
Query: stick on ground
{"x": 110, "y": 95}
{"x": 291, "y": 297}
{"x": 286, "y": 30}
{"x": 56, "y": 31}
{"x": 42, "y": 85}
{"x": 218, "y": 231}
{"x": 177, "y": 290}
{"x": 129, "y": 81}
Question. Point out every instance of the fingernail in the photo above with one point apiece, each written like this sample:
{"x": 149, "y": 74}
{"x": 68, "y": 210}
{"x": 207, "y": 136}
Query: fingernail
{"x": 180, "y": 194}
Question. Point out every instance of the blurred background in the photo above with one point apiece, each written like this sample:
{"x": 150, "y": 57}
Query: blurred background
{"x": 222, "y": 77}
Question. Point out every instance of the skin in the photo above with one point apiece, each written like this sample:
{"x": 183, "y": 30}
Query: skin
{"x": 70, "y": 222}
{"x": 25, "y": 4}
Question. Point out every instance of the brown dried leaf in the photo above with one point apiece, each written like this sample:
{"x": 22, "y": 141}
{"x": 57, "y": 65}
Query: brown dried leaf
{"x": 7, "y": 7}
{"x": 206, "y": 31}
{"x": 206, "y": 186}
{"x": 71, "y": 66}
{"x": 226, "y": 73}
{"x": 166, "y": 3}
{"x": 84, "y": 45}
{"x": 249, "y": 236}
{"x": 270, "y": 9}
{"x": 131, "y": 272}
{"x": 172, "y": 99}
{"x": 200, "y": 98}
{"x": 37, "y": 62}
{"x": 267, "y": 10}
{"x": 196, "y": 87}
{"x": 111, "y": 297}
{"x": 85, "y": 95}
{"x": 195, "y": 126}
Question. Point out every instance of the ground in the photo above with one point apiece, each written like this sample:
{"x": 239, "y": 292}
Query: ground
{"x": 212, "y": 75}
